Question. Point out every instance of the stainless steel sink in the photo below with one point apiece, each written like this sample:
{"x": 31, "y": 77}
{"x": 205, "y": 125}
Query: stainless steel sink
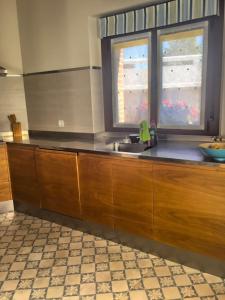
{"x": 130, "y": 148}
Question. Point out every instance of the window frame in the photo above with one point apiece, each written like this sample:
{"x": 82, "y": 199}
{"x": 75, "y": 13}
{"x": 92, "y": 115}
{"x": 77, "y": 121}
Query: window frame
{"x": 213, "y": 78}
{"x": 133, "y": 37}
{"x": 184, "y": 28}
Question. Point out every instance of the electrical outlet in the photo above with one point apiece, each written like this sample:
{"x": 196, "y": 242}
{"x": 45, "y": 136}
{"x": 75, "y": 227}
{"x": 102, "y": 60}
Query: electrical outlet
{"x": 61, "y": 123}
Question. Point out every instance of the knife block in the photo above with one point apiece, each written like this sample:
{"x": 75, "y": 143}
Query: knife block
{"x": 17, "y": 130}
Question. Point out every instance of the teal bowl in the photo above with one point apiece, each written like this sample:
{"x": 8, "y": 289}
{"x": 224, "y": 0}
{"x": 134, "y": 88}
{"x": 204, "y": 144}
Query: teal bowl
{"x": 215, "y": 154}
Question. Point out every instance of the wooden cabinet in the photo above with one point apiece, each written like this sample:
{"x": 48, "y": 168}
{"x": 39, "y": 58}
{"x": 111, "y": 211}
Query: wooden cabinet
{"x": 95, "y": 177}
{"x": 57, "y": 172}
{"x": 23, "y": 174}
{"x": 117, "y": 192}
{"x": 4, "y": 175}
{"x": 181, "y": 205}
{"x": 133, "y": 196}
{"x": 189, "y": 207}
{"x": 5, "y": 189}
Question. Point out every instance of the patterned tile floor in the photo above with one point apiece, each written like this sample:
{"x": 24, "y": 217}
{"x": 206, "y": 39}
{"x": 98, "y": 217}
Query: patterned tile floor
{"x": 43, "y": 260}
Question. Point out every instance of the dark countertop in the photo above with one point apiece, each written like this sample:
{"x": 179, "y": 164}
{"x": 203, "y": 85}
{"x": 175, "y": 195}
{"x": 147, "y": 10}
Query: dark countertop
{"x": 168, "y": 151}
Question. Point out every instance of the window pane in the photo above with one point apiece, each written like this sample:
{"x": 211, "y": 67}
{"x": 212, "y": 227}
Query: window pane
{"x": 182, "y": 83}
{"x": 130, "y": 82}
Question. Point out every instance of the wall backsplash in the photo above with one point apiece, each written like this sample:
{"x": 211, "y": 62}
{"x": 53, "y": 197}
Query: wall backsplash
{"x": 64, "y": 96}
{"x": 12, "y": 100}
{"x": 97, "y": 100}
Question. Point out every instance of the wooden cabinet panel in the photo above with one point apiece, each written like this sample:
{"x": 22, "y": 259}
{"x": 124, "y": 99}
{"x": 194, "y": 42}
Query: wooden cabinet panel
{"x": 5, "y": 187}
{"x": 23, "y": 173}
{"x": 189, "y": 208}
{"x": 57, "y": 173}
{"x": 4, "y": 174}
{"x": 5, "y": 191}
{"x": 95, "y": 176}
{"x": 181, "y": 205}
{"x": 133, "y": 196}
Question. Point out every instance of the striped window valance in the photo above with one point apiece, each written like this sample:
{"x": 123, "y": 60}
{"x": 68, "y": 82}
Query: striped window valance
{"x": 157, "y": 15}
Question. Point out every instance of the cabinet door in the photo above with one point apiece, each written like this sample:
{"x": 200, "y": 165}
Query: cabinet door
{"x": 5, "y": 190}
{"x": 57, "y": 173}
{"x": 133, "y": 196}
{"x": 23, "y": 174}
{"x": 4, "y": 176}
{"x": 95, "y": 176}
{"x": 189, "y": 208}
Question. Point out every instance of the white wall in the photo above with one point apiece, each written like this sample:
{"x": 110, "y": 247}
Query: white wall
{"x": 12, "y": 98}
{"x": 10, "y": 52}
{"x": 61, "y": 34}
{"x": 58, "y": 34}
{"x": 55, "y": 33}
{"x": 12, "y": 101}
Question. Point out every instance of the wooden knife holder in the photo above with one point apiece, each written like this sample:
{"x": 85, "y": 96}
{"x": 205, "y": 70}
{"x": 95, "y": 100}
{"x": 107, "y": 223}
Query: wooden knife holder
{"x": 17, "y": 130}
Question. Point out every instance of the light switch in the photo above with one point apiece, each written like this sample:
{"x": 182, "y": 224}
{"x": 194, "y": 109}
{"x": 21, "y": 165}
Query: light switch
{"x": 61, "y": 123}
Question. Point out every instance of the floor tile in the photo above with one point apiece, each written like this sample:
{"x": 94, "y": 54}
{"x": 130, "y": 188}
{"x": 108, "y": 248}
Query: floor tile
{"x": 151, "y": 283}
{"x": 22, "y": 294}
{"x": 182, "y": 280}
{"x": 88, "y": 268}
{"x": 46, "y": 263}
{"x": 108, "y": 296}
{"x": 72, "y": 279}
{"x": 203, "y": 290}
{"x": 44, "y": 260}
{"x": 42, "y": 282}
{"x": 137, "y": 295}
{"x": 211, "y": 278}
{"x": 9, "y": 285}
{"x": 55, "y": 292}
{"x": 29, "y": 273}
{"x": 87, "y": 289}
{"x": 171, "y": 293}
{"x": 133, "y": 274}
{"x": 17, "y": 266}
{"x": 119, "y": 286}
{"x": 155, "y": 294}
{"x": 162, "y": 271}
{"x": 103, "y": 276}
{"x": 116, "y": 265}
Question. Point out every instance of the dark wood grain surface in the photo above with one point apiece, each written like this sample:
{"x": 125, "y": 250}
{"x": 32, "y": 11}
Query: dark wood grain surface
{"x": 182, "y": 205}
{"x": 133, "y": 196}
{"x": 189, "y": 208}
{"x": 5, "y": 187}
{"x": 57, "y": 173}
{"x": 95, "y": 176}
{"x": 23, "y": 173}
{"x": 4, "y": 175}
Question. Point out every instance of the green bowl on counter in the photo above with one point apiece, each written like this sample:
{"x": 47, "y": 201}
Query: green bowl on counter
{"x": 216, "y": 151}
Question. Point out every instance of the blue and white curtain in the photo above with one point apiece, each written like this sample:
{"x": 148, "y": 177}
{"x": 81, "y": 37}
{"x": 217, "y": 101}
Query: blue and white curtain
{"x": 157, "y": 15}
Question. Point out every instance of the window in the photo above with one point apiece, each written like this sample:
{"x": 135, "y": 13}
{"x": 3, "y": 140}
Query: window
{"x": 170, "y": 76}
{"x": 182, "y": 65}
{"x": 130, "y": 68}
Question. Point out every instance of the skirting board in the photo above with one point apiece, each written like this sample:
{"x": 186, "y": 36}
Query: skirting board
{"x": 6, "y": 206}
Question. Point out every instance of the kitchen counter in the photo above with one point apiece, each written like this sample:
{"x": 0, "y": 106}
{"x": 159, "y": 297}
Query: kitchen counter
{"x": 174, "y": 151}
{"x": 120, "y": 190}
